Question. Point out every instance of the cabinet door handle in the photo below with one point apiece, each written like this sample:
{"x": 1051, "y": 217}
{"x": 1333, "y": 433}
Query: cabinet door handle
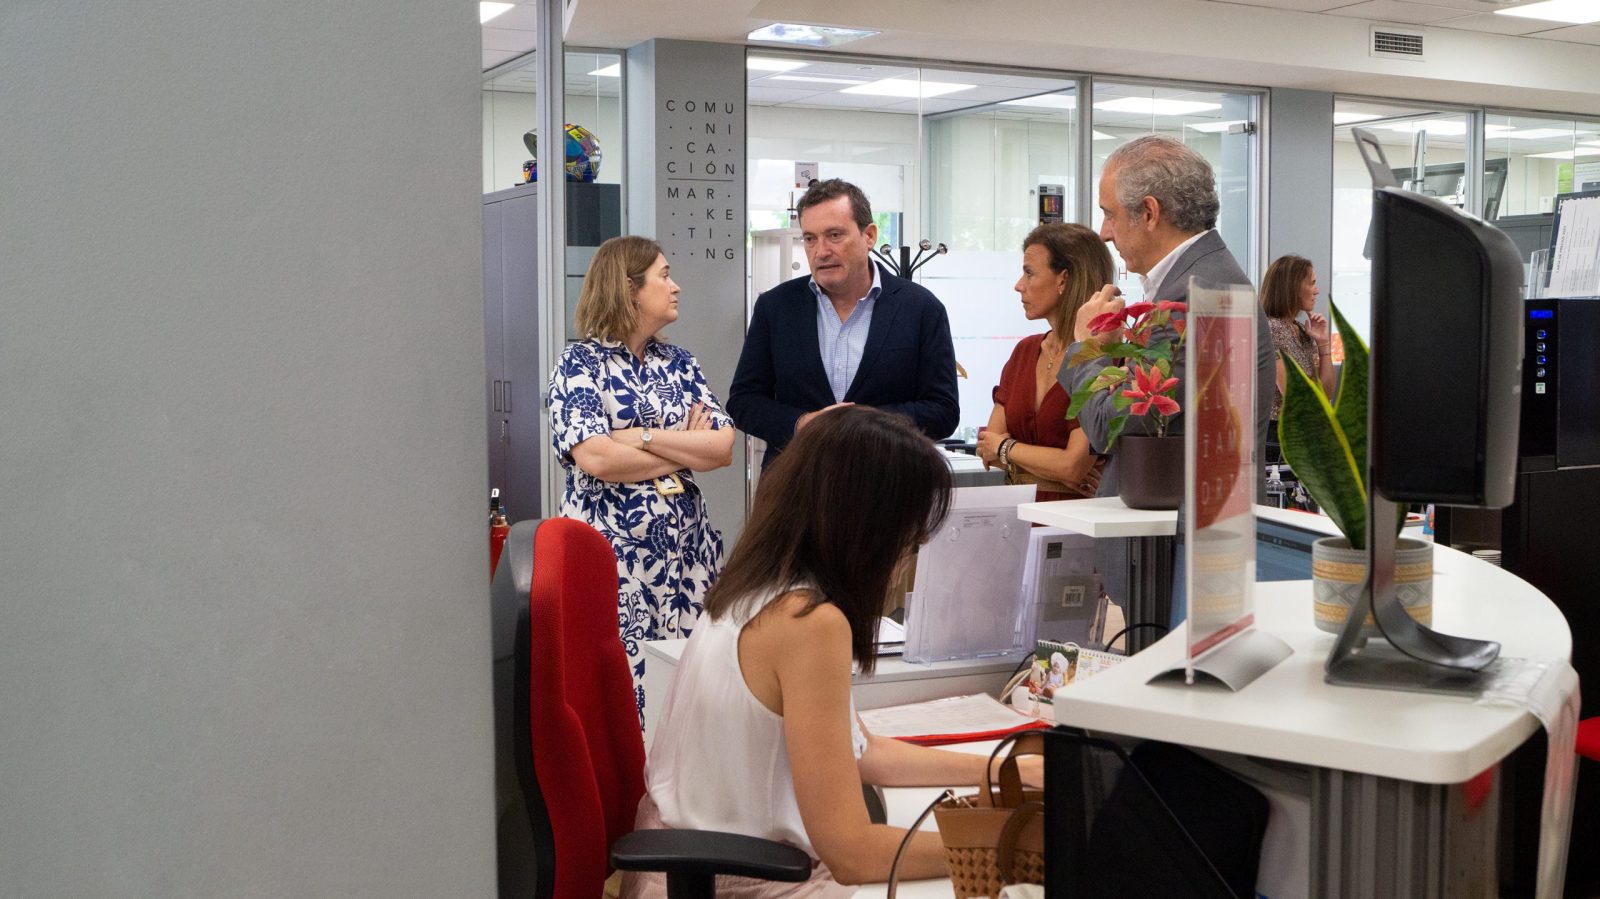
{"x": 508, "y": 396}
{"x": 497, "y": 396}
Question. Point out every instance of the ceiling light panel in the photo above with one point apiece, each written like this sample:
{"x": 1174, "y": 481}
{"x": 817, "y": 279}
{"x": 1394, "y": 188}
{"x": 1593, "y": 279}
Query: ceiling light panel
{"x": 1155, "y": 106}
{"x": 1573, "y": 12}
{"x": 487, "y": 10}
{"x": 907, "y": 87}
{"x": 612, "y": 71}
{"x": 1045, "y": 101}
{"x": 1350, "y": 118}
{"x": 1530, "y": 133}
{"x": 768, "y": 64}
{"x": 815, "y": 79}
{"x": 1215, "y": 127}
{"x": 807, "y": 35}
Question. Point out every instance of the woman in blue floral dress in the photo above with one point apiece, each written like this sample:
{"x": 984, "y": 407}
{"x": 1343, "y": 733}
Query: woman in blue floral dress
{"x": 632, "y": 417}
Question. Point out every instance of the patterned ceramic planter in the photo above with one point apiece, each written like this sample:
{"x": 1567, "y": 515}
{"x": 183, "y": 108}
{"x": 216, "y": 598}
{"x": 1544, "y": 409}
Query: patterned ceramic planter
{"x": 1338, "y": 574}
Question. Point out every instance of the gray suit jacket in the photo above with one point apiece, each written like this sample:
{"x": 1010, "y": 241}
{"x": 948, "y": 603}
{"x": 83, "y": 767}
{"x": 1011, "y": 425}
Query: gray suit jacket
{"x": 1208, "y": 261}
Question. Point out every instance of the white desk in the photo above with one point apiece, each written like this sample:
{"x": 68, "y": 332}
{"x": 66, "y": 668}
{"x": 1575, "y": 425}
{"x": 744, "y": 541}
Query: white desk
{"x": 1388, "y": 814}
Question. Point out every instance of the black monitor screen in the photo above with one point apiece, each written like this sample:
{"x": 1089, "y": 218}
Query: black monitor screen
{"x": 1446, "y": 354}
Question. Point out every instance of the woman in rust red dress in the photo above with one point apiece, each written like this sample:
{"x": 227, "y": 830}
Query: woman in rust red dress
{"x": 1029, "y": 434}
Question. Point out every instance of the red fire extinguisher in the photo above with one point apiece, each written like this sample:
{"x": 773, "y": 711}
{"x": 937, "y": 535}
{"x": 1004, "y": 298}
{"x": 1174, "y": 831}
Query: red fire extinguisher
{"x": 498, "y": 529}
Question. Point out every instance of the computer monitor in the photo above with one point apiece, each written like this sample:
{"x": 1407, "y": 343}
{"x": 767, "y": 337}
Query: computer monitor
{"x": 1446, "y": 354}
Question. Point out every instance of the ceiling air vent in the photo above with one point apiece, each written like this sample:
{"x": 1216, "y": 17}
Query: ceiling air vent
{"x": 1395, "y": 43}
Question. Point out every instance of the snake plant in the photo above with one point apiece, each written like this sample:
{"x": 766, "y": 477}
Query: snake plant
{"x": 1326, "y": 442}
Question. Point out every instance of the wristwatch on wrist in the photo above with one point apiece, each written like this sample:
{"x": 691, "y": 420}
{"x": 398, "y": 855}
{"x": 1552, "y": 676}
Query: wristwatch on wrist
{"x": 644, "y": 437}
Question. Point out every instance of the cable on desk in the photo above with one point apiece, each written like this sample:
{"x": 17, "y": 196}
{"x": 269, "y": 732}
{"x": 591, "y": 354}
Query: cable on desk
{"x": 1120, "y": 634}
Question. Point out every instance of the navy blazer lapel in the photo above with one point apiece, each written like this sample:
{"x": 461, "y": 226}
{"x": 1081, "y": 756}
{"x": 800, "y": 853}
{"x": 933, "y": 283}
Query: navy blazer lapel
{"x": 801, "y": 328}
{"x": 883, "y": 312}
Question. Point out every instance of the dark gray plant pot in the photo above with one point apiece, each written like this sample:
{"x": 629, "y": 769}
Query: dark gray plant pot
{"x": 1150, "y": 471}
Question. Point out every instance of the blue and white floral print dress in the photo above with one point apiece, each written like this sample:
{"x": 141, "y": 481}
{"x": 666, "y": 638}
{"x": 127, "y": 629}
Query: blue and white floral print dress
{"x": 667, "y": 551}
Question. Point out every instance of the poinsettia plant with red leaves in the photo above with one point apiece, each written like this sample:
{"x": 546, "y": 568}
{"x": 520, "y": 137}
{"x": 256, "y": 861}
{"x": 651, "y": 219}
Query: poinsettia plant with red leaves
{"x": 1139, "y": 357}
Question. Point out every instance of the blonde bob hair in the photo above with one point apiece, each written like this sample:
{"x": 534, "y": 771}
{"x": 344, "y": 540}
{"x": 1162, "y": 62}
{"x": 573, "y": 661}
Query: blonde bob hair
{"x": 605, "y": 304}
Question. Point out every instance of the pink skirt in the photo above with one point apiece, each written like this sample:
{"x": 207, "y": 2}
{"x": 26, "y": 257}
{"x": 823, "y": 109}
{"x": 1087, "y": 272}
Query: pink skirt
{"x": 653, "y": 885}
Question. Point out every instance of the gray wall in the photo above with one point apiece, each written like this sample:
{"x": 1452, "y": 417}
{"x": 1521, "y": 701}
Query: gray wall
{"x": 1300, "y": 181}
{"x": 686, "y": 136}
{"x": 243, "y": 616}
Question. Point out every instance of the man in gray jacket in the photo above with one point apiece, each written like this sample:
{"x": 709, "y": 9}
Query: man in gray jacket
{"x": 1159, "y": 198}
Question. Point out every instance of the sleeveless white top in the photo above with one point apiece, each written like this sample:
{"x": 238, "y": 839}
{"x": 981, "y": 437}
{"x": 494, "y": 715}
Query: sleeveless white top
{"x": 718, "y": 760}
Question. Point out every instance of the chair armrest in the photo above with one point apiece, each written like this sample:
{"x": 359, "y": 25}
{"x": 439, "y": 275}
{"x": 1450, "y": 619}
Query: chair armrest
{"x": 706, "y": 852}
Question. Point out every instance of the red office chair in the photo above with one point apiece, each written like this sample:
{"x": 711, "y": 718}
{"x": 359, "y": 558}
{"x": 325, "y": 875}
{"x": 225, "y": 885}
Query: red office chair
{"x": 574, "y": 735}
{"x": 1589, "y": 739}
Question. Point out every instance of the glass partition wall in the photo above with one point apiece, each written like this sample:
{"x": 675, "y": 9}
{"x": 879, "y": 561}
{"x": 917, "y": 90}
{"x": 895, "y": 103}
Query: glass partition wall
{"x": 968, "y": 157}
{"x": 1507, "y": 167}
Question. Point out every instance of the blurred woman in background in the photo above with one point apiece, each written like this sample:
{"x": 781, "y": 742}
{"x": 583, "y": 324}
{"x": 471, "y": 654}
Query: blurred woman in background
{"x": 1289, "y": 289}
{"x": 1029, "y": 434}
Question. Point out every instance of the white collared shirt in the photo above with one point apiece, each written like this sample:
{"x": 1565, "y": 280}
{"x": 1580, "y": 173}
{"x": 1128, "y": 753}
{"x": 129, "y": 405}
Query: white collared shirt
{"x": 1152, "y": 279}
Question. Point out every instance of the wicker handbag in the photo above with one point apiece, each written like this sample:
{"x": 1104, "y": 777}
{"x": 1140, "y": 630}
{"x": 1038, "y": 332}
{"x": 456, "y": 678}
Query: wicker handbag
{"x": 994, "y": 837}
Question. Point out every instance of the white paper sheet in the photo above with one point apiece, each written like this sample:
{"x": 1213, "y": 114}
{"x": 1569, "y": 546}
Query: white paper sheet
{"x": 978, "y": 713}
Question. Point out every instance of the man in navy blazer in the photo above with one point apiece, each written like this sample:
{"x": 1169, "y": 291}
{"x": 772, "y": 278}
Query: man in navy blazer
{"x": 847, "y": 333}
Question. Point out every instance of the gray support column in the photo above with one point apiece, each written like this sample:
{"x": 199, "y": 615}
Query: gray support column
{"x": 686, "y": 189}
{"x": 552, "y": 237}
{"x": 1300, "y": 181}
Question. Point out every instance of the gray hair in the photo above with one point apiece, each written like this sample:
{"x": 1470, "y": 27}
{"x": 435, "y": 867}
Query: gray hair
{"x": 1178, "y": 178}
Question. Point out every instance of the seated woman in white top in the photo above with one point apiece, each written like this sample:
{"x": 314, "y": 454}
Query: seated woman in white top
{"x": 758, "y": 734}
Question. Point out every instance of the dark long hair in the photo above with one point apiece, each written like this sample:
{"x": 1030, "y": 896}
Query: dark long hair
{"x": 854, "y": 493}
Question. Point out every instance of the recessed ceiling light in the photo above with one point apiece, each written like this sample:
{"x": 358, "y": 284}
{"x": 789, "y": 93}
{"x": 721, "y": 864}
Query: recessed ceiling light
{"x": 1589, "y": 143}
{"x": 808, "y": 35}
{"x": 487, "y": 10}
{"x": 1045, "y": 101}
{"x": 612, "y": 71}
{"x": 1153, "y": 106}
{"x": 1574, "y": 12}
{"x": 1216, "y": 127}
{"x": 1350, "y": 118}
{"x": 816, "y": 79}
{"x": 1533, "y": 133}
{"x": 907, "y": 87}
{"x": 1446, "y": 127}
{"x": 1101, "y": 135}
{"x": 1564, "y": 154}
{"x": 768, "y": 64}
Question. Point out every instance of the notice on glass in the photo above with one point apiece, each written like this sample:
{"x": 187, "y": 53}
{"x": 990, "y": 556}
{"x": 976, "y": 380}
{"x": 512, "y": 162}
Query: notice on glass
{"x": 1220, "y": 391}
{"x": 1575, "y": 265}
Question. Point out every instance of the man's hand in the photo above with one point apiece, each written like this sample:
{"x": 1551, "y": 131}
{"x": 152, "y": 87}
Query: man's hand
{"x": 1106, "y": 299}
{"x": 805, "y": 419}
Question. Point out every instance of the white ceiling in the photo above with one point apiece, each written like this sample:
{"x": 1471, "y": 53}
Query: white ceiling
{"x": 1473, "y": 56}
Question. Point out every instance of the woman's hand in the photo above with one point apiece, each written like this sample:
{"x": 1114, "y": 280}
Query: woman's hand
{"x": 699, "y": 418}
{"x": 1317, "y": 327}
{"x": 1091, "y": 481}
{"x": 989, "y": 446}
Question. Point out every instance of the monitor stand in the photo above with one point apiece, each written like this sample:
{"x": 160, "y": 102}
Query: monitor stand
{"x": 1418, "y": 659}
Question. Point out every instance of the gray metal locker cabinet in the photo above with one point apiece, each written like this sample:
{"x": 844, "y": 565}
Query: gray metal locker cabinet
{"x": 513, "y": 383}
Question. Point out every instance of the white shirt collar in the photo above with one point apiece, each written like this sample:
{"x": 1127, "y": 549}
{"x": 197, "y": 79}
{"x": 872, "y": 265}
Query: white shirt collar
{"x": 1152, "y": 279}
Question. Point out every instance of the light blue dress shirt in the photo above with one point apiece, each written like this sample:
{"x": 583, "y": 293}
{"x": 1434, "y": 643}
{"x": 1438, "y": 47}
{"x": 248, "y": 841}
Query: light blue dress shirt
{"x": 843, "y": 342}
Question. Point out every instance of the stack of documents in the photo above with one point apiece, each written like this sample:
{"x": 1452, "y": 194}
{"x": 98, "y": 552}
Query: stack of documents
{"x": 960, "y": 719}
